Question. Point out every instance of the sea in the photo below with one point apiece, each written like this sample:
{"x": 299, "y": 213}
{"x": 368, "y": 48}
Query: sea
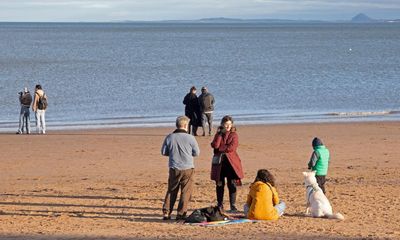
{"x": 105, "y": 75}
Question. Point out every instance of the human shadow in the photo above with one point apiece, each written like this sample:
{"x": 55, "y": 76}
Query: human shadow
{"x": 297, "y": 215}
{"x": 73, "y": 205}
{"x": 92, "y": 197}
{"x": 86, "y": 215}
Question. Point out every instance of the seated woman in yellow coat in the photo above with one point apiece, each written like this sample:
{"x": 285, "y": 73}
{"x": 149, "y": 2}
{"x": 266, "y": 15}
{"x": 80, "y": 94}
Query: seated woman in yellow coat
{"x": 263, "y": 200}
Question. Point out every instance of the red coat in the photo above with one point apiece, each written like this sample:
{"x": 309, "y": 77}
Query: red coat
{"x": 227, "y": 143}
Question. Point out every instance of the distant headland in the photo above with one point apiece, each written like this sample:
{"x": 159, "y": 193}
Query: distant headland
{"x": 359, "y": 18}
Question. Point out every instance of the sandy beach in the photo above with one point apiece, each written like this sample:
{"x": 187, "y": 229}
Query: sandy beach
{"x": 110, "y": 183}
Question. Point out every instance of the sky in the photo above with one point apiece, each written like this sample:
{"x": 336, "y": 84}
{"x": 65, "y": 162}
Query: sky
{"x": 148, "y": 10}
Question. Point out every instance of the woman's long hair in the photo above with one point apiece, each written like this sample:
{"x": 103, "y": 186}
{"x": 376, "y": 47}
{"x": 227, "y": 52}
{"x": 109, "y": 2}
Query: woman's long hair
{"x": 265, "y": 176}
{"x": 226, "y": 119}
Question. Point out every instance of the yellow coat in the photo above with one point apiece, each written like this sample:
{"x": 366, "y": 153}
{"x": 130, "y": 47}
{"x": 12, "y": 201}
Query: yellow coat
{"x": 261, "y": 201}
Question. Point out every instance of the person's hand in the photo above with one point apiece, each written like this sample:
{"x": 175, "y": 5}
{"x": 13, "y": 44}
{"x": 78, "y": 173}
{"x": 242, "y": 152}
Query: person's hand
{"x": 221, "y": 130}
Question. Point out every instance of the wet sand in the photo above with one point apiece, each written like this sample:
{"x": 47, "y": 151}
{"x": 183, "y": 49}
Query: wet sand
{"x": 110, "y": 183}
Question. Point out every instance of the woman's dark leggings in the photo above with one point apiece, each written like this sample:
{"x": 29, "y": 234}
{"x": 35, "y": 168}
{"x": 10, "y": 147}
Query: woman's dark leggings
{"x": 232, "y": 192}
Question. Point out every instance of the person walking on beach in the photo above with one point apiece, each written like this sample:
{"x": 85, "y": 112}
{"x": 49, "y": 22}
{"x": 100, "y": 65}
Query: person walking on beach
{"x": 25, "y": 99}
{"x": 39, "y": 107}
{"x": 225, "y": 144}
{"x": 207, "y": 102}
{"x": 263, "y": 201}
{"x": 192, "y": 110}
{"x": 180, "y": 147}
{"x": 319, "y": 162}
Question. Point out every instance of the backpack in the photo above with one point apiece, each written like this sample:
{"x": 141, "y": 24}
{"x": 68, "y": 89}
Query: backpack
{"x": 208, "y": 214}
{"x": 42, "y": 103}
{"x": 26, "y": 99}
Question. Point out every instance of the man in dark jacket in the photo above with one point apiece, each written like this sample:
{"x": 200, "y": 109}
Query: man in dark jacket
{"x": 25, "y": 99}
{"x": 207, "y": 102}
{"x": 192, "y": 110}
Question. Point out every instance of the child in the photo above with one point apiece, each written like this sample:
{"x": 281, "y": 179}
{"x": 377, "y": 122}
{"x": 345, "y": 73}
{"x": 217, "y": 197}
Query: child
{"x": 319, "y": 162}
{"x": 263, "y": 200}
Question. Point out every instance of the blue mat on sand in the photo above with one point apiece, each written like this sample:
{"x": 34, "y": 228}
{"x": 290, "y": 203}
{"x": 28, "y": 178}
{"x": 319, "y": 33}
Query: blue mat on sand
{"x": 222, "y": 223}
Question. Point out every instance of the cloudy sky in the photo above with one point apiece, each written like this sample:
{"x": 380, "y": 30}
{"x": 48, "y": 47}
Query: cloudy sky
{"x": 114, "y": 10}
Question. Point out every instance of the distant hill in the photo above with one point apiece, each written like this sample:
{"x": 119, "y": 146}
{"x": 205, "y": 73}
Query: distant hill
{"x": 362, "y": 18}
{"x": 239, "y": 20}
{"x": 359, "y": 18}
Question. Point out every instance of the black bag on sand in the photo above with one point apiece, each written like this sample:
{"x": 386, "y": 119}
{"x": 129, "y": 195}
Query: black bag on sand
{"x": 196, "y": 217}
{"x": 208, "y": 214}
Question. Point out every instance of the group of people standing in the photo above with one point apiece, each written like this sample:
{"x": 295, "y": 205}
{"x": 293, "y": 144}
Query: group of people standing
{"x": 263, "y": 202}
{"x": 199, "y": 110}
{"x": 181, "y": 148}
{"x": 39, "y": 105}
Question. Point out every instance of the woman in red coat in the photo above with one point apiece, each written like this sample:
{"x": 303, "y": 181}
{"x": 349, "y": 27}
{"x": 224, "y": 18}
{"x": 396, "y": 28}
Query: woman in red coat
{"x": 225, "y": 144}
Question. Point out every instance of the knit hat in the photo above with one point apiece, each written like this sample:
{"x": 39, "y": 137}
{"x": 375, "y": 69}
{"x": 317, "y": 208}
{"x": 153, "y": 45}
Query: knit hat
{"x": 316, "y": 142}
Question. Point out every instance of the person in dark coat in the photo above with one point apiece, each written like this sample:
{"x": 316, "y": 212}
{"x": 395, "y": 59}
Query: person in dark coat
{"x": 192, "y": 110}
{"x": 225, "y": 143}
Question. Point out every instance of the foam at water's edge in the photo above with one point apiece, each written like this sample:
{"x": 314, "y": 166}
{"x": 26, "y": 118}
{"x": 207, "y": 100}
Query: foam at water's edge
{"x": 240, "y": 119}
{"x": 371, "y": 113}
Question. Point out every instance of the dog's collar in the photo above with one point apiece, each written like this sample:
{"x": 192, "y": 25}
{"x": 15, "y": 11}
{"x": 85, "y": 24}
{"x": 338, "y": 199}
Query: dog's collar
{"x": 314, "y": 187}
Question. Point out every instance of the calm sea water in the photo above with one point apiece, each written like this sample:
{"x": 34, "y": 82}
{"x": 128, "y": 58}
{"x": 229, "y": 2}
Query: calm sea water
{"x": 136, "y": 74}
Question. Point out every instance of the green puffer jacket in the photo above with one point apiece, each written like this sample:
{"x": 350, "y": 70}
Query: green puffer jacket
{"x": 321, "y": 165}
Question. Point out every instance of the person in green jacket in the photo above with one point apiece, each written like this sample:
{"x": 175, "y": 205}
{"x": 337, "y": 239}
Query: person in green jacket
{"x": 319, "y": 162}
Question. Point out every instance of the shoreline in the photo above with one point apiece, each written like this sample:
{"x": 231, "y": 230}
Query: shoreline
{"x": 100, "y": 126}
{"x": 250, "y": 118}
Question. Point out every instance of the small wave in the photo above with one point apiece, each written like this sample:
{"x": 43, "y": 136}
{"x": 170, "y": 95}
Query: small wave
{"x": 355, "y": 114}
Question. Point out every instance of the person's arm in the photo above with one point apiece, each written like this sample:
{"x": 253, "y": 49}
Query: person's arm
{"x": 195, "y": 148}
{"x": 233, "y": 144}
{"x": 201, "y": 102}
{"x": 216, "y": 143}
{"x": 313, "y": 160}
{"x": 164, "y": 148}
{"x": 35, "y": 100}
{"x": 275, "y": 196}
{"x": 249, "y": 199}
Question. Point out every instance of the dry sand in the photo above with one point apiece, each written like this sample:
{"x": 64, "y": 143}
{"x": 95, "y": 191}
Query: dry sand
{"x": 110, "y": 183}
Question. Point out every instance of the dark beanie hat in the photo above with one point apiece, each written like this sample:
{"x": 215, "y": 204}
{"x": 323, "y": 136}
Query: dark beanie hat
{"x": 316, "y": 142}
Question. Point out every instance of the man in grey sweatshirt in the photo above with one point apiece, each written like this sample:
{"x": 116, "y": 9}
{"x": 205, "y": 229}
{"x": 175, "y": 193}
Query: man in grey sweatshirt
{"x": 180, "y": 147}
{"x": 207, "y": 102}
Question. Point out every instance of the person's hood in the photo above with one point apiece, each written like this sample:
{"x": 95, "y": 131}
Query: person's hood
{"x": 316, "y": 142}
